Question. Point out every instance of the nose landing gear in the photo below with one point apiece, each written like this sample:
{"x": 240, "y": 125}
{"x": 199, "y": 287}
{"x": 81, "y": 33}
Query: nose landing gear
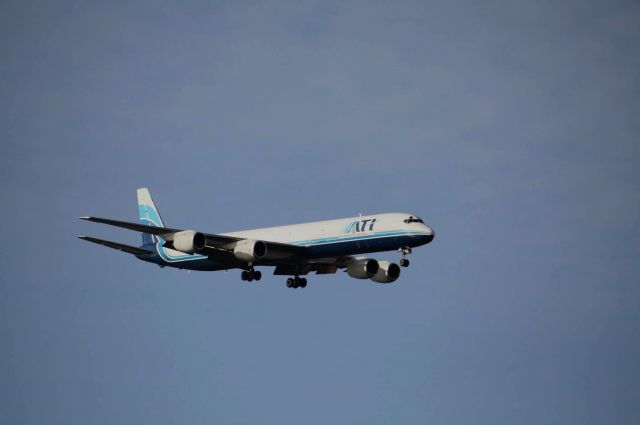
{"x": 297, "y": 282}
{"x": 405, "y": 250}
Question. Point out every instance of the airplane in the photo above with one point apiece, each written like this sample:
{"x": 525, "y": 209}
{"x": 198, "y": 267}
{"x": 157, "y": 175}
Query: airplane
{"x": 323, "y": 247}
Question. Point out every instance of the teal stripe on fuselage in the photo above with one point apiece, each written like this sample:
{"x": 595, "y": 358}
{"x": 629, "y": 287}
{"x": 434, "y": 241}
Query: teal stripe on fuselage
{"x": 337, "y": 239}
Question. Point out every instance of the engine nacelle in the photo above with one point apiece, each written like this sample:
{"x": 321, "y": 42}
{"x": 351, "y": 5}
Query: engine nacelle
{"x": 364, "y": 268}
{"x": 188, "y": 241}
{"x": 249, "y": 250}
{"x": 387, "y": 272}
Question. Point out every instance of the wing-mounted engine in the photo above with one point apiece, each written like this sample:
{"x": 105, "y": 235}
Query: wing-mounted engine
{"x": 250, "y": 250}
{"x": 189, "y": 241}
{"x": 387, "y": 272}
{"x": 363, "y": 268}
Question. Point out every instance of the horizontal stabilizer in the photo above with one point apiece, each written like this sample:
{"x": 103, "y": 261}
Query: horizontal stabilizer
{"x": 119, "y": 246}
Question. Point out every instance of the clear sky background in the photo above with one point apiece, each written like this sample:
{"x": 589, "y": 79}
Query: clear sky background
{"x": 511, "y": 127}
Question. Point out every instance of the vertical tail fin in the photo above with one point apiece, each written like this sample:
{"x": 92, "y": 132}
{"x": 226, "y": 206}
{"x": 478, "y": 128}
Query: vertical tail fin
{"x": 148, "y": 214}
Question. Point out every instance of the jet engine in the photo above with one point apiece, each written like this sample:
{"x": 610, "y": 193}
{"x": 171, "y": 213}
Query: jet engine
{"x": 189, "y": 241}
{"x": 387, "y": 272}
{"x": 364, "y": 268}
{"x": 249, "y": 250}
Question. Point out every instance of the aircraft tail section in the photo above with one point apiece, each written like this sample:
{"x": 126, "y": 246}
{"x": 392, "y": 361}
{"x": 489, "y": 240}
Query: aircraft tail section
{"x": 148, "y": 215}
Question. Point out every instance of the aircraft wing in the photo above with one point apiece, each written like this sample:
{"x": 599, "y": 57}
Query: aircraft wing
{"x": 132, "y": 226}
{"x": 119, "y": 246}
{"x": 213, "y": 243}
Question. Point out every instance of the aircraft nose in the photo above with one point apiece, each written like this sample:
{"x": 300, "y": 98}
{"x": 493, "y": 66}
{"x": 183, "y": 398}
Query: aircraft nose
{"x": 429, "y": 236}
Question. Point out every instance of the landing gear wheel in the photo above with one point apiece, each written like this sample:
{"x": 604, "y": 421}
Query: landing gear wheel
{"x": 296, "y": 282}
{"x": 251, "y": 274}
{"x": 405, "y": 250}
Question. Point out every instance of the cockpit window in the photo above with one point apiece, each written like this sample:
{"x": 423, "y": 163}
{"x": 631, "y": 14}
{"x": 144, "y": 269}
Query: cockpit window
{"x": 413, "y": 219}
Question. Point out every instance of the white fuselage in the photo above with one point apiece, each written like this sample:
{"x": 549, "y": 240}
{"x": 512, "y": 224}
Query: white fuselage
{"x": 331, "y": 231}
{"x": 346, "y": 236}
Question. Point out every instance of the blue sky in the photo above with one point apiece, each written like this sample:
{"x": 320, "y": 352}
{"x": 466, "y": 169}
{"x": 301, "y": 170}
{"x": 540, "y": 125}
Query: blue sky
{"x": 510, "y": 127}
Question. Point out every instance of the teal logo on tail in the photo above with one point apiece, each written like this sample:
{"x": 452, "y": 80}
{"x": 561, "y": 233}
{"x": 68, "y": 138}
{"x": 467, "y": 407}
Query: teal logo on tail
{"x": 148, "y": 215}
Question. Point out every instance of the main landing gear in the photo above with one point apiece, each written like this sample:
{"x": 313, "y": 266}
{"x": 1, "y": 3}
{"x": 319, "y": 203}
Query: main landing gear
{"x": 405, "y": 250}
{"x": 297, "y": 282}
{"x": 251, "y": 274}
